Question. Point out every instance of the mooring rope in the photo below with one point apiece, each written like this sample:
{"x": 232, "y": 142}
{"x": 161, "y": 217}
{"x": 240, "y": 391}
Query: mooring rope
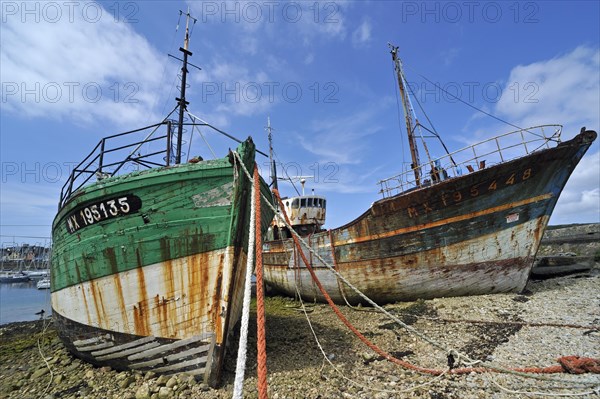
{"x": 261, "y": 342}
{"x": 588, "y": 364}
{"x": 45, "y": 327}
{"x": 571, "y": 364}
{"x": 358, "y": 384}
{"x": 240, "y": 368}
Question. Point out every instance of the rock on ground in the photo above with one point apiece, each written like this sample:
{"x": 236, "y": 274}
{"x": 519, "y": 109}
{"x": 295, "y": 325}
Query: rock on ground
{"x": 551, "y": 318}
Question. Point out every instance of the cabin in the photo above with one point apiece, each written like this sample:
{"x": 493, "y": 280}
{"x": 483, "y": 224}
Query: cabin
{"x": 306, "y": 214}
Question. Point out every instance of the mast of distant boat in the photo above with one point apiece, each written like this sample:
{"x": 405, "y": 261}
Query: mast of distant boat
{"x": 408, "y": 112}
{"x": 181, "y": 100}
{"x": 269, "y": 130}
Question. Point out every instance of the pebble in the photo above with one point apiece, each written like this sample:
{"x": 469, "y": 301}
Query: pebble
{"x": 143, "y": 392}
{"x": 297, "y": 369}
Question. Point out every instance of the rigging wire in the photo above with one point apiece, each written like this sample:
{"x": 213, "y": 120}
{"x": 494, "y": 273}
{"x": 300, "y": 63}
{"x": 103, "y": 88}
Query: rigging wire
{"x": 433, "y": 129}
{"x": 164, "y": 71}
{"x": 194, "y": 24}
{"x": 165, "y": 66}
{"x": 299, "y": 241}
{"x": 190, "y": 146}
{"x": 193, "y": 118}
{"x": 288, "y": 177}
{"x": 464, "y": 102}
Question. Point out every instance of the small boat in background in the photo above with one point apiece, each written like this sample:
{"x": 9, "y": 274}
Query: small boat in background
{"x": 37, "y": 274}
{"x": 43, "y": 284}
{"x": 13, "y": 277}
{"x": 561, "y": 264}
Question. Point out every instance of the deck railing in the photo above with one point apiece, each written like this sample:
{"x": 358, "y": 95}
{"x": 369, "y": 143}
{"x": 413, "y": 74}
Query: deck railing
{"x": 113, "y": 153}
{"x": 483, "y": 154}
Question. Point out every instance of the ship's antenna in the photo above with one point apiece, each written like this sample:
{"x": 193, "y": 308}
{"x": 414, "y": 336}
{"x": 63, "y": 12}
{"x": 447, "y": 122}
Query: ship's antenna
{"x": 181, "y": 100}
{"x": 269, "y": 130}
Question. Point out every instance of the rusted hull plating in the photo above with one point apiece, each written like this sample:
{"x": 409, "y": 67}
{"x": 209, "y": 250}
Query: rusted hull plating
{"x": 179, "y": 329}
{"x": 148, "y": 268}
{"x": 469, "y": 235}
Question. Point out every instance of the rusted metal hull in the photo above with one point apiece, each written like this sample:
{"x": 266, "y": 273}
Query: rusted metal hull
{"x": 468, "y": 235}
{"x": 158, "y": 284}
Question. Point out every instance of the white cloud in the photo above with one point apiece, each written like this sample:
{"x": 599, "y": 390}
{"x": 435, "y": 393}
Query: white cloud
{"x": 580, "y": 200}
{"x": 76, "y": 67}
{"x": 340, "y": 139}
{"x": 449, "y": 55}
{"x": 362, "y": 34}
{"x": 310, "y": 57}
{"x": 564, "y": 90}
{"x": 232, "y": 89}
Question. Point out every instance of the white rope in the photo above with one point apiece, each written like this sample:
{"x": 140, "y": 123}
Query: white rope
{"x": 536, "y": 393}
{"x": 370, "y": 388}
{"x": 46, "y": 325}
{"x": 242, "y": 347}
{"x": 341, "y": 277}
{"x": 462, "y": 357}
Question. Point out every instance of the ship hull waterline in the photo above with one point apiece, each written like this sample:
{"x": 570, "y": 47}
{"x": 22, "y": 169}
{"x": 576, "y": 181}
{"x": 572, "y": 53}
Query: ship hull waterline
{"x": 469, "y": 235}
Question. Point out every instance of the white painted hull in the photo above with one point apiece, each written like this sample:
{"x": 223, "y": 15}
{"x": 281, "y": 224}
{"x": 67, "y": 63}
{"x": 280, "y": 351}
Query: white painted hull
{"x": 166, "y": 317}
{"x": 499, "y": 262}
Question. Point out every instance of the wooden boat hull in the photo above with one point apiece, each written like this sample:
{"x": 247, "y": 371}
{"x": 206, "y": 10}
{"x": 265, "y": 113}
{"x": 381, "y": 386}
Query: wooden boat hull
{"x": 549, "y": 266}
{"x": 158, "y": 284}
{"x": 473, "y": 234}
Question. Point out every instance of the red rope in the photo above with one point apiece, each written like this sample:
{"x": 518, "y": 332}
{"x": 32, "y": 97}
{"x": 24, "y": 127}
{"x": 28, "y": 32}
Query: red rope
{"x": 577, "y": 363}
{"x": 260, "y": 303}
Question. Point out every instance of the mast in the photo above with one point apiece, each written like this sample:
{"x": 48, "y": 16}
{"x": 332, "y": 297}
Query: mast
{"x": 269, "y": 129}
{"x": 181, "y": 100}
{"x": 408, "y": 112}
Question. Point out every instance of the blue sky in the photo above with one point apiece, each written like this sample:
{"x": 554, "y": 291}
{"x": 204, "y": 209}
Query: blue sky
{"x": 73, "y": 72}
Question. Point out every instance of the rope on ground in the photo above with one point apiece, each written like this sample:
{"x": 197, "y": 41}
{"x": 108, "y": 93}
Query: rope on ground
{"x": 261, "y": 343}
{"x": 349, "y": 379}
{"x": 240, "y": 368}
{"x": 522, "y": 372}
{"x": 335, "y": 266}
{"x": 535, "y": 393}
{"x": 45, "y": 325}
{"x": 512, "y": 323}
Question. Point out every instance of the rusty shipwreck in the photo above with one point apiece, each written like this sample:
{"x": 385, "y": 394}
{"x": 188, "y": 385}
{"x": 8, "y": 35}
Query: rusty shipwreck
{"x": 467, "y": 223}
{"x": 148, "y": 264}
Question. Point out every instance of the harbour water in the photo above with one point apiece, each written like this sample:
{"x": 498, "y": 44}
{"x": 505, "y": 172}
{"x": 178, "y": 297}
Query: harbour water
{"x": 21, "y": 302}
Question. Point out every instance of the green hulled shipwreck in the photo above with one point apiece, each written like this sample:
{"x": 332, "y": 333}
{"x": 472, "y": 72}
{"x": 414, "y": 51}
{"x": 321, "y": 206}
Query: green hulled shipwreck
{"x": 148, "y": 266}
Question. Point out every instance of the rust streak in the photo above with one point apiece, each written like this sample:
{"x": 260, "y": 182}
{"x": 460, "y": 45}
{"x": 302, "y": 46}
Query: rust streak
{"x": 161, "y": 315}
{"x": 120, "y": 299}
{"x": 444, "y": 221}
{"x": 141, "y": 312}
{"x": 216, "y": 306}
{"x": 98, "y": 305}
{"x": 87, "y": 309}
{"x": 112, "y": 260}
